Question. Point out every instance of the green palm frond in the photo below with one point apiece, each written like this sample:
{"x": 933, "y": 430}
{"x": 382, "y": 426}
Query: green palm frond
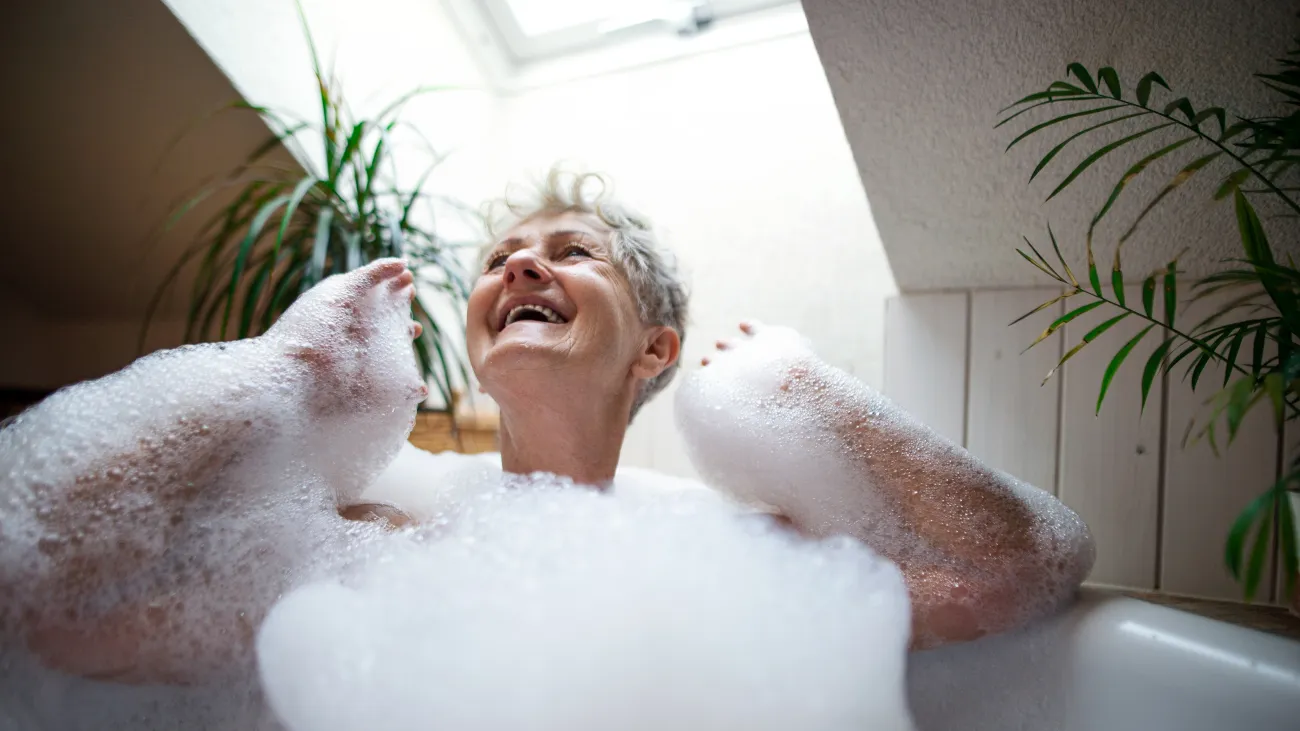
{"x": 1251, "y": 334}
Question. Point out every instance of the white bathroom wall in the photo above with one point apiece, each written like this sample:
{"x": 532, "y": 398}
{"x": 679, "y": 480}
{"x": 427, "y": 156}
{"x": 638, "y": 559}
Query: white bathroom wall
{"x": 379, "y": 49}
{"x": 739, "y": 158}
{"x": 1159, "y": 511}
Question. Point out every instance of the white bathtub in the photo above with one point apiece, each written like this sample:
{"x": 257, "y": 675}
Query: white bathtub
{"x": 1111, "y": 664}
{"x": 1105, "y": 664}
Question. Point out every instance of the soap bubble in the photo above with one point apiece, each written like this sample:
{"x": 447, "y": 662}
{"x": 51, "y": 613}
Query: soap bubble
{"x": 538, "y": 604}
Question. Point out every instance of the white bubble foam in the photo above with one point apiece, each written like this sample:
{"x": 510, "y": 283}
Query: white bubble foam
{"x": 542, "y": 605}
{"x": 149, "y": 519}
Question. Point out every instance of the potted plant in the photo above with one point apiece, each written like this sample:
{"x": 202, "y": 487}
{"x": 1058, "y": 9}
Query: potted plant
{"x": 1259, "y": 351}
{"x": 286, "y": 229}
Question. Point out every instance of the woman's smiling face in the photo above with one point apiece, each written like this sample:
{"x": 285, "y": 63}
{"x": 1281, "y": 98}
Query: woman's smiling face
{"x": 551, "y": 297}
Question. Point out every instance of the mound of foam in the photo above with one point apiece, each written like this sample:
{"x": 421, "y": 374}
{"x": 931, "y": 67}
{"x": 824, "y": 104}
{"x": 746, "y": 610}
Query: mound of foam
{"x": 149, "y": 519}
{"x": 539, "y": 605}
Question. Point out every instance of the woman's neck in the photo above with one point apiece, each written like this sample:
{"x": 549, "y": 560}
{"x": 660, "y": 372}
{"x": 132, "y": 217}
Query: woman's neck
{"x": 579, "y": 438}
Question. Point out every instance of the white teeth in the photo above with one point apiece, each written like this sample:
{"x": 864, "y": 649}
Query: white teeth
{"x": 550, "y": 315}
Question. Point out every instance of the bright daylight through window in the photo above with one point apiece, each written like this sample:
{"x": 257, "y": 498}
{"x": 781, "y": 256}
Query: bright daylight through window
{"x": 536, "y": 29}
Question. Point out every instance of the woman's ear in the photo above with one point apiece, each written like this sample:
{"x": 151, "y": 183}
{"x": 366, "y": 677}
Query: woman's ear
{"x": 660, "y": 351}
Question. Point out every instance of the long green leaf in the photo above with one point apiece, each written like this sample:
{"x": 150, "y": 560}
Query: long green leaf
{"x": 320, "y": 245}
{"x": 1031, "y": 107}
{"x": 254, "y": 233}
{"x": 239, "y": 215}
{"x": 1215, "y": 113}
{"x": 1171, "y": 294}
{"x": 1133, "y": 172}
{"x": 1236, "y": 543}
{"x": 285, "y": 290}
{"x": 350, "y": 148}
{"x": 1257, "y": 351}
{"x": 1044, "y": 306}
{"x": 1081, "y": 73}
{"x": 1093, "y": 278}
{"x": 1117, "y": 361}
{"x": 1202, "y": 360}
{"x": 1062, "y": 320}
{"x": 1181, "y": 177}
{"x": 1152, "y": 367}
{"x": 1053, "y": 152}
{"x": 1180, "y": 355}
{"x": 1040, "y": 267}
{"x": 1117, "y": 284}
{"x": 1259, "y": 552}
{"x": 1058, "y": 92}
{"x": 1057, "y": 120}
{"x": 1108, "y": 76}
{"x": 1064, "y": 264}
{"x": 252, "y": 295}
{"x": 1148, "y": 294}
{"x": 295, "y": 198}
{"x": 1092, "y": 335}
{"x": 1184, "y": 106}
{"x": 1255, "y": 243}
{"x": 1233, "y": 348}
{"x": 1231, "y": 183}
{"x": 1144, "y": 87}
{"x": 1094, "y": 157}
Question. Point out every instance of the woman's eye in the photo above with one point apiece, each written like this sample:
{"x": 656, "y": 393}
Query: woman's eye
{"x": 576, "y": 250}
{"x": 495, "y": 261}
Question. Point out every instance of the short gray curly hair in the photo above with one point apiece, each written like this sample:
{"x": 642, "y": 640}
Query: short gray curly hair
{"x": 650, "y": 268}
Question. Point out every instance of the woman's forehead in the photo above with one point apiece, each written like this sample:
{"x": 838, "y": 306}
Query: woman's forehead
{"x": 546, "y": 225}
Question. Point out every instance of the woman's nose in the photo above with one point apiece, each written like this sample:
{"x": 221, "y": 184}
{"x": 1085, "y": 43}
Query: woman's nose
{"x": 524, "y": 266}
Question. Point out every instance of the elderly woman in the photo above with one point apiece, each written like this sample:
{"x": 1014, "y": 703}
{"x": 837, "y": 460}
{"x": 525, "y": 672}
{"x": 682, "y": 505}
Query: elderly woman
{"x": 575, "y": 322}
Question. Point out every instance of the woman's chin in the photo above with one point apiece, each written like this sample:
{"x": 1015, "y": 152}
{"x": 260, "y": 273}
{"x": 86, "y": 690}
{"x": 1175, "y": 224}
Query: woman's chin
{"x": 519, "y": 349}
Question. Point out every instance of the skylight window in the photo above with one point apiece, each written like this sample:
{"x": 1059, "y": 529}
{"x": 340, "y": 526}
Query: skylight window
{"x": 535, "y": 29}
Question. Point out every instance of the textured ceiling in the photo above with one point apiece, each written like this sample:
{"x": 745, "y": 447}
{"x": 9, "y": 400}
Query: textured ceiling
{"x": 93, "y": 93}
{"x": 918, "y": 84}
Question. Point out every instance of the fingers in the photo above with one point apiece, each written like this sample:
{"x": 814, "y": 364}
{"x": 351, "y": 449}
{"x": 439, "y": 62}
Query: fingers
{"x": 381, "y": 269}
{"x": 416, "y": 329}
{"x": 748, "y": 327}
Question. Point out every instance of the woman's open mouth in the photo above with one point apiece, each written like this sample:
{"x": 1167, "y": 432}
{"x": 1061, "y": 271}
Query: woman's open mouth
{"x": 532, "y": 313}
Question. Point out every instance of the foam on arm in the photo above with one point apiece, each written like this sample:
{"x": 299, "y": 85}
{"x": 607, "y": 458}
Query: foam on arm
{"x": 981, "y": 551}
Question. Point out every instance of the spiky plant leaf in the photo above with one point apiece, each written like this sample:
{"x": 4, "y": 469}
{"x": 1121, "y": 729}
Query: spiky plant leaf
{"x": 1117, "y": 361}
{"x": 1152, "y": 367}
{"x": 1110, "y": 78}
{"x": 1144, "y": 87}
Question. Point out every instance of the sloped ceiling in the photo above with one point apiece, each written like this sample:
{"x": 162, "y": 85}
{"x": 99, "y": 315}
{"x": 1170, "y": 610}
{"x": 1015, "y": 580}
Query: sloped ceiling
{"x": 94, "y": 93}
{"x": 918, "y": 84}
